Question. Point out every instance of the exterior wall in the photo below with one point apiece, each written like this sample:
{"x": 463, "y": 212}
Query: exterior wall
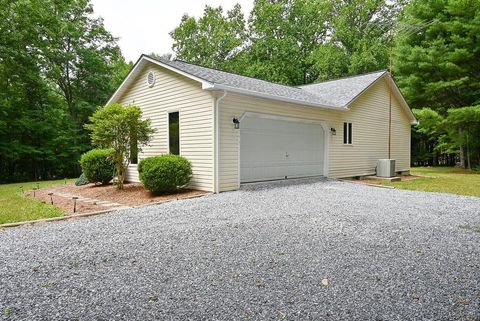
{"x": 369, "y": 115}
{"x": 369, "y": 118}
{"x": 173, "y": 92}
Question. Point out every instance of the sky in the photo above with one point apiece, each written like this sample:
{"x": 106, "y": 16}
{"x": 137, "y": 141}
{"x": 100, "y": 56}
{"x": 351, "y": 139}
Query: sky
{"x": 143, "y": 26}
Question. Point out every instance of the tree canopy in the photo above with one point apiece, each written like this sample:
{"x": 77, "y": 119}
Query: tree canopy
{"x": 436, "y": 63}
{"x": 291, "y": 41}
{"x": 57, "y": 64}
{"x": 213, "y": 39}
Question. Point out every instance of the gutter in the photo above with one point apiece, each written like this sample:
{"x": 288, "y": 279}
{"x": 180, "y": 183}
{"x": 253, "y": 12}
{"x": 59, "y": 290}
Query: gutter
{"x": 268, "y": 96}
{"x": 217, "y": 142}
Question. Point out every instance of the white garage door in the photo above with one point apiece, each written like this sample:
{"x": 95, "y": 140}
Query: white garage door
{"x": 279, "y": 148}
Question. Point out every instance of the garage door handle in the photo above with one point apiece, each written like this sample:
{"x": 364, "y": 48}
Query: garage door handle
{"x": 286, "y": 154}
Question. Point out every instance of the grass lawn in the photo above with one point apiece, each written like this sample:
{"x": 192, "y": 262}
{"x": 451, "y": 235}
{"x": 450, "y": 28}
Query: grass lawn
{"x": 16, "y": 208}
{"x": 443, "y": 180}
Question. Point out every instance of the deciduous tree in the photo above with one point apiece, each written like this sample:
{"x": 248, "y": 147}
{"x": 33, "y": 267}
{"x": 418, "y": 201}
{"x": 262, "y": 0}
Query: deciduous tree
{"x": 213, "y": 40}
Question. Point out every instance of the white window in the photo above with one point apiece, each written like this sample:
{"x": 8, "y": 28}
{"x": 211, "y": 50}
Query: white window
{"x": 347, "y": 133}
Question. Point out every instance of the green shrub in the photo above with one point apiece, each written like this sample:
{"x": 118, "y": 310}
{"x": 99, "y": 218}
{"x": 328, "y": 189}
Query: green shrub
{"x": 165, "y": 174}
{"x": 98, "y": 165}
{"x": 82, "y": 180}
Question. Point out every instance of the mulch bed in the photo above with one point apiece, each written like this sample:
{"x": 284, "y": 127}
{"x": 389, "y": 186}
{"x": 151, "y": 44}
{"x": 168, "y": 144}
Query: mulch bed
{"x": 134, "y": 194}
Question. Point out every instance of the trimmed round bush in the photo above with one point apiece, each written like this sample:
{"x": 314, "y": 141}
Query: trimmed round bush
{"x": 164, "y": 174}
{"x": 98, "y": 165}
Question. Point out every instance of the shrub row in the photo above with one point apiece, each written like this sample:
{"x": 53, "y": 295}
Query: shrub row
{"x": 159, "y": 174}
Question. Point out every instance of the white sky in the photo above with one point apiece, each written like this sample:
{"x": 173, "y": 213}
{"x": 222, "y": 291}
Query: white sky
{"x": 143, "y": 26}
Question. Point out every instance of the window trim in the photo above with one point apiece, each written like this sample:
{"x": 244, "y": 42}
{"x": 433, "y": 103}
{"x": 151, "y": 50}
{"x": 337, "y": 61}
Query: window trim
{"x": 348, "y": 133}
{"x": 168, "y": 112}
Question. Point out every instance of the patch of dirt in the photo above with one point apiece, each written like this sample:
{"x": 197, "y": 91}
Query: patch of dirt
{"x": 65, "y": 204}
{"x": 134, "y": 194}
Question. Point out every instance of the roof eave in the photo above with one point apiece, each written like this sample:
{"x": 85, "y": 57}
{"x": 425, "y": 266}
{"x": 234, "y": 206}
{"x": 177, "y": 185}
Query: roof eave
{"x": 386, "y": 74}
{"x": 269, "y": 96}
{"x": 138, "y": 65}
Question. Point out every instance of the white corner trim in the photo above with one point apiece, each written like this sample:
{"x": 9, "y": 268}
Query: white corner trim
{"x": 217, "y": 142}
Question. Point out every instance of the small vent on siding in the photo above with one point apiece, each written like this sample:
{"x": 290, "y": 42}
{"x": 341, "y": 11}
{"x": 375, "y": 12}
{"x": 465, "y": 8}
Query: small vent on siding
{"x": 151, "y": 79}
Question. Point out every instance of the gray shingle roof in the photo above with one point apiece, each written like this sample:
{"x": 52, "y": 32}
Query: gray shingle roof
{"x": 340, "y": 92}
{"x": 334, "y": 93}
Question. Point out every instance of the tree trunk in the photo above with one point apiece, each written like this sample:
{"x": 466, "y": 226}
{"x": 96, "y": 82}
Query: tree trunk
{"x": 119, "y": 174}
{"x": 119, "y": 171}
{"x": 469, "y": 166}
{"x": 462, "y": 151}
{"x": 462, "y": 156}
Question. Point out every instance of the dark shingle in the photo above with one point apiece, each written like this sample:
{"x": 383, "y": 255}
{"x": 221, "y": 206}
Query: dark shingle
{"x": 334, "y": 93}
{"x": 341, "y": 91}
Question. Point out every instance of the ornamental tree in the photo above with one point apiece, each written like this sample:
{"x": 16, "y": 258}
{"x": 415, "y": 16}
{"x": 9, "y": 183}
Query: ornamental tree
{"x": 122, "y": 129}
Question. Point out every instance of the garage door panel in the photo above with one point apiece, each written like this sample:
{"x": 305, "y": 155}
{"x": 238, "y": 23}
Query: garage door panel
{"x": 275, "y": 149}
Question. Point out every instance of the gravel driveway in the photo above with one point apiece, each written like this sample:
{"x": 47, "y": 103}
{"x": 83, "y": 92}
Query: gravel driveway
{"x": 309, "y": 250}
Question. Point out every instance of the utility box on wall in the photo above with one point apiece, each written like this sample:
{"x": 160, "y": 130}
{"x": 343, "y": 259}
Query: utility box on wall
{"x": 386, "y": 168}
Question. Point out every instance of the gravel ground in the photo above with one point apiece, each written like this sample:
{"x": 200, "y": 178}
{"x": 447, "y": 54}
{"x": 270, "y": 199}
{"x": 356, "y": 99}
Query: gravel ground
{"x": 305, "y": 250}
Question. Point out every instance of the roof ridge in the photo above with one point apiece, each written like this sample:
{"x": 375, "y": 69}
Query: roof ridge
{"x": 227, "y": 72}
{"x": 344, "y": 77}
{"x": 267, "y": 81}
{"x": 232, "y": 73}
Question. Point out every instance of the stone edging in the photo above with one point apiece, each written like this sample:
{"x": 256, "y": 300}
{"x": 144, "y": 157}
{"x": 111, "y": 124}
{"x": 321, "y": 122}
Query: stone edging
{"x": 171, "y": 200}
{"x": 53, "y": 219}
{"x": 66, "y": 217}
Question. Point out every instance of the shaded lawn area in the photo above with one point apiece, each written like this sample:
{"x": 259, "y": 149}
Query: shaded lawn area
{"x": 441, "y": 179}
{"x": 14, "y": 207}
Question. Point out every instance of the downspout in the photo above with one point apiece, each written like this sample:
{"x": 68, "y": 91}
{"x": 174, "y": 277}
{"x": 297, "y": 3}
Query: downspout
{"x": 217, "y": 142}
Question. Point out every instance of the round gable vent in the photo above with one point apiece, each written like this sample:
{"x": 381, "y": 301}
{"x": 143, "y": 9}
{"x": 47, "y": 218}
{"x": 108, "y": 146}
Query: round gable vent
{"x": 151, "y": 79}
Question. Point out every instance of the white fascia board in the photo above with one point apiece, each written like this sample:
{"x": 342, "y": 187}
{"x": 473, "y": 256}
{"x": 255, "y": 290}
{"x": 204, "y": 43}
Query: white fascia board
{"x": 200, "y": 80}
{"x": 403, "y": 102}
{"x": 347, "y": 105}
{"x": 269, "y": 96}
{"x": 398, "y": 94}
{"x": 130, "y": 76}
{"x": 139, "y": 65}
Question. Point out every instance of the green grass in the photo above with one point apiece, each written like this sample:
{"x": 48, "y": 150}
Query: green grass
{"x": 17, "y": 208}
{"x": 442, "y": 179}
{"x": 470, "y": 228}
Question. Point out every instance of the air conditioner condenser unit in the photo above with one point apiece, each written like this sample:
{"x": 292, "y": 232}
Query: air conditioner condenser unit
{"x": 386, "y": 168}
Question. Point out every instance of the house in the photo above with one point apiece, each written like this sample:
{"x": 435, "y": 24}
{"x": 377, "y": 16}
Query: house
{"x": 236, "y": 129}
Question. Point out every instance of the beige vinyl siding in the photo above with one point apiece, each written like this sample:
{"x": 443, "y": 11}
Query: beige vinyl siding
{"x": 174, "y": 92}
{"x": 368, "y": 114}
